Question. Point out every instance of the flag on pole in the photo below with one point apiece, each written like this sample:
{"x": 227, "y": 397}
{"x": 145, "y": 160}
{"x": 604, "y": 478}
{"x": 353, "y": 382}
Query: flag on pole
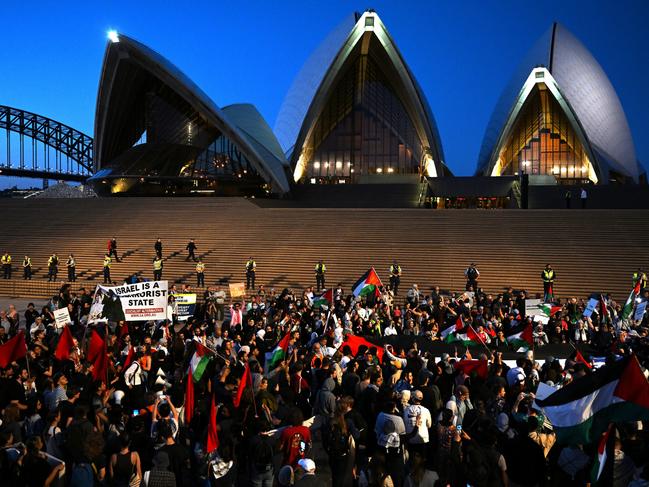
{"x": 95, "y": 346}
{"x": 66, "y": 342}
{"x": 369, "y": 283}
{"x": 13, "y": 350}
{"x": 580, "y": 358}
{"x": 603, "y": 309}
{"x": 605, "y": 457}
{"x": 326, "y": 298}
{"x": 582, "y": 410}
{"x": 199, "y": 361}
{"x": 521, "y": 340}
{"x": 630, "y": 301}
{"x": 549, "y": 309}
{"x": 467, "y": 336}
{"x": 129, "y": 357}
{"x": 246, "y": 381}
{"x": 189, "y": 398}
{"x": 459, "y": 326}
{"x": 279, "y": 352}
{"x": 212, "y": 433}
{"x": 355, "y": 343}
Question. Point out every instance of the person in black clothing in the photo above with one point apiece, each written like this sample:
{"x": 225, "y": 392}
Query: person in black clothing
{"x": 260, "y": 456}
{"x": 178, "y": 456}
{"x": 71, "y": 264}
{"x": 472, "y": 275}
{"x": 158, "y": 247}
{"x": 112, "y": 248}
{"x": 191, "y": 248}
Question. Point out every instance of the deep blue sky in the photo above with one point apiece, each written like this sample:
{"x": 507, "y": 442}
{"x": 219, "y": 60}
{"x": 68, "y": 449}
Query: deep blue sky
{"x": 462, "y": 53}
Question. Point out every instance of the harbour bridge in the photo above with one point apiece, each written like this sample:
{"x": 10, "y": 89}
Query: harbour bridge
{"x": 34, "y": 146}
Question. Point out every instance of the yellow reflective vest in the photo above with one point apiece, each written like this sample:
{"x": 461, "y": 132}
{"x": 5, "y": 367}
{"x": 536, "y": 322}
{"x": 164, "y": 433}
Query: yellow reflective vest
{"x": 107, "y": 262}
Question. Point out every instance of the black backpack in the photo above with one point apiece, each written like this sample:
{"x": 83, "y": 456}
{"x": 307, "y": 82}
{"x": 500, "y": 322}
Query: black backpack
{"x": 335, "y": 441}
{"x": 263, "y": 455}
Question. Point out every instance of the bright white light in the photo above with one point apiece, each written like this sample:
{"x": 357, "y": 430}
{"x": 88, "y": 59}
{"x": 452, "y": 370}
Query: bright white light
{"x": 556, "y": 170}
{"x": 316, "y": 165}
{"x": 339, "y": 164}
{"x": 113, "y": 36}
{"x": 526, "y": 163}
{"x": 379, "y": 170}
{"x": 312, "y": 180}
{"x": 390, "y": 169}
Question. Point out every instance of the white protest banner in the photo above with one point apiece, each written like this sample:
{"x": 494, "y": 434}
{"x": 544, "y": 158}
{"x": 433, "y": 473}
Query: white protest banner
{"x": 590, "y": 307}
{"x": 141, "y": 301}
{"x": 185, "y": 305}
{"x": 533, "y": 309}
{"x": 62, "y": 317}
{"x": 640, "y": 311}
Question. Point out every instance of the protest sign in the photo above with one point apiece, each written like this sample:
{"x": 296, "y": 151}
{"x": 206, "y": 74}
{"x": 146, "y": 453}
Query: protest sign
{"x": 237, "y": 289}
{"x": 62, "y": 317}
{"x": 185, "y": 305}
{"x": 130, "y": 302}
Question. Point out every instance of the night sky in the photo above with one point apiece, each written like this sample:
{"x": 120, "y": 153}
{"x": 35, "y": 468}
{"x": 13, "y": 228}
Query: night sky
{"x": 462, "y": 53}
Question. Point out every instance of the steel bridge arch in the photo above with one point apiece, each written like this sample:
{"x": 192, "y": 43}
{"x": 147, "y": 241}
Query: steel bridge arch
{"x": 64, "y": 139}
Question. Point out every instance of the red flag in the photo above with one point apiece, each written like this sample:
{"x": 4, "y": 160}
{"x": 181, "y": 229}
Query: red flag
{"x": 580, "y": 358}
{"x": 129, "y": 357}
{"x": 95, "y": 347}
{"x": 13, "y": 350}
{"x": 354, "y": 342}
{"x": 246, "y": 381}
{"x": 189, "y": 398}
{"x": 212, "y": 434}
{"x": 123, "y": 331}
{"x": 477, "y": 366}
{"x": 66, "y": 342}
{"x": 100, "y": 363}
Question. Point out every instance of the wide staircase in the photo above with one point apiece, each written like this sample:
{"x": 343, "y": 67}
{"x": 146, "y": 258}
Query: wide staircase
{"x": 591, "y": 250}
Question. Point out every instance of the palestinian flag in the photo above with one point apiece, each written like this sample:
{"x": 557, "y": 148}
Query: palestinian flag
{"x": 580, "y": 359}
{"x": 199, "y": 361}
{"x": 367, "y": 284}
{"x": 522, "y": 340}
{"x": 581, "y": 411}
{"x": 549, "y": 309}
{"x": 280, "y": 352}
{"x": 468, "y": 337}
{"x": 459, "y": 326}
{"x": 605, "y": 455}
{"x": 630, "y": 301}
{"x": 326, "y": 298}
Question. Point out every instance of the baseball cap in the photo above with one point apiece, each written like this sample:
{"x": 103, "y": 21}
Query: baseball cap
{"x": 306, "y": 464}
{"x": 417, "y": 396}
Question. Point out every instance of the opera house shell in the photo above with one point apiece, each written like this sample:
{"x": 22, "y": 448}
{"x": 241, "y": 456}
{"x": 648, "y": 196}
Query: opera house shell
{"x": 355, "y": 112}
{"x": 560, "y": 116}
{"x": 157, "y": 133}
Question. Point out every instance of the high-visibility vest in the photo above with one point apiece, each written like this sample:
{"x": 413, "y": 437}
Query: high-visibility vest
{"x": 396, "y": 270}
{"x": 200, "y": 267}
{"x": 6, "y": 259}
{"x": 71, "y": 263}
{"x": 548, "y": 275}
{"x": 27, "y": 262}
{"x": 250, "y": 265}
{"x": 320, "y": 268}
{"x": 107, "y": 262}
{"x": 157, "y": 264}
{"x": 52, "y": 260}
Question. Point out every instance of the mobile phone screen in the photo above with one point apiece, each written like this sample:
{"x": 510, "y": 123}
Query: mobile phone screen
{"x": 136, "y": 412}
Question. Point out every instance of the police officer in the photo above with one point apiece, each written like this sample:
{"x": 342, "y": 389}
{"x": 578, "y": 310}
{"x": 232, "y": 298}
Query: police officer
{"x": 320, "y": 270}
{"x": 107, "y": 263}
{"x": 6, "y": 265}
{"x": 27, "y": 268}
{"x": 251, "y": 267}
{"x": 191, "y": 248}
{"x": 640, "y": 276}
{"x": 71, "y": 264}
{"x": 157, "y": 268}
{"x": 395, "y": 277}
{"x": 52, "y": 267}
{"x": 548, "y": 275}
{"x": 200, "y": 273}
{"x": 472, "y": 275}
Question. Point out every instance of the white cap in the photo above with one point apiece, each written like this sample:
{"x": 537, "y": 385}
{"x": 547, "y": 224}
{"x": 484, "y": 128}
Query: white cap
{"x": 307, "y": 464}
{"x": 117, "y": 396}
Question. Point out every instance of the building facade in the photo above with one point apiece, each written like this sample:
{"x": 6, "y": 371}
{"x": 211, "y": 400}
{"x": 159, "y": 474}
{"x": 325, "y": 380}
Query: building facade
{"x": 560, "y": 116}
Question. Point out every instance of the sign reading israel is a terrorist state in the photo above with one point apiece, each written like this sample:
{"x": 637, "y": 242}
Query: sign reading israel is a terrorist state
{"x": 130, "y": 302}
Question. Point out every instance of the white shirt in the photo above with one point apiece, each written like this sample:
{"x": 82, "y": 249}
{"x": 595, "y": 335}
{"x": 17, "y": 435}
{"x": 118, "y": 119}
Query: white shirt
{"x": 389, "y": 330}
{"x": 133, "y": 375}
{"x": 410, "y": 419}
{"x": 583, "y": 194}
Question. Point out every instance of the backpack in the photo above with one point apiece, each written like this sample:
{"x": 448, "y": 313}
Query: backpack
{"x": 263, "y": 460}
{"x": 335, "y": 441}
{"x": 81, "y": 476}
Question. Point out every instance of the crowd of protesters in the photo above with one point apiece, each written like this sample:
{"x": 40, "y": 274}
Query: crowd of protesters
{"x": 384, "y": 415}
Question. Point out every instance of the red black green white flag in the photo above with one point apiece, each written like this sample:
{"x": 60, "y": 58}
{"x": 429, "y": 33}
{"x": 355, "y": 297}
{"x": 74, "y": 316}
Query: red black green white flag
{"x": 521, "y": 340}
{"x": 630, "y": 301}
{"x": 369, "y": 283}
{"x": 581, "y": 411}
{"x": 326, "y": 298}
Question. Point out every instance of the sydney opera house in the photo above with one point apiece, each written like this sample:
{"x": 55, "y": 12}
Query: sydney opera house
{"x": 355, "y": 117}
